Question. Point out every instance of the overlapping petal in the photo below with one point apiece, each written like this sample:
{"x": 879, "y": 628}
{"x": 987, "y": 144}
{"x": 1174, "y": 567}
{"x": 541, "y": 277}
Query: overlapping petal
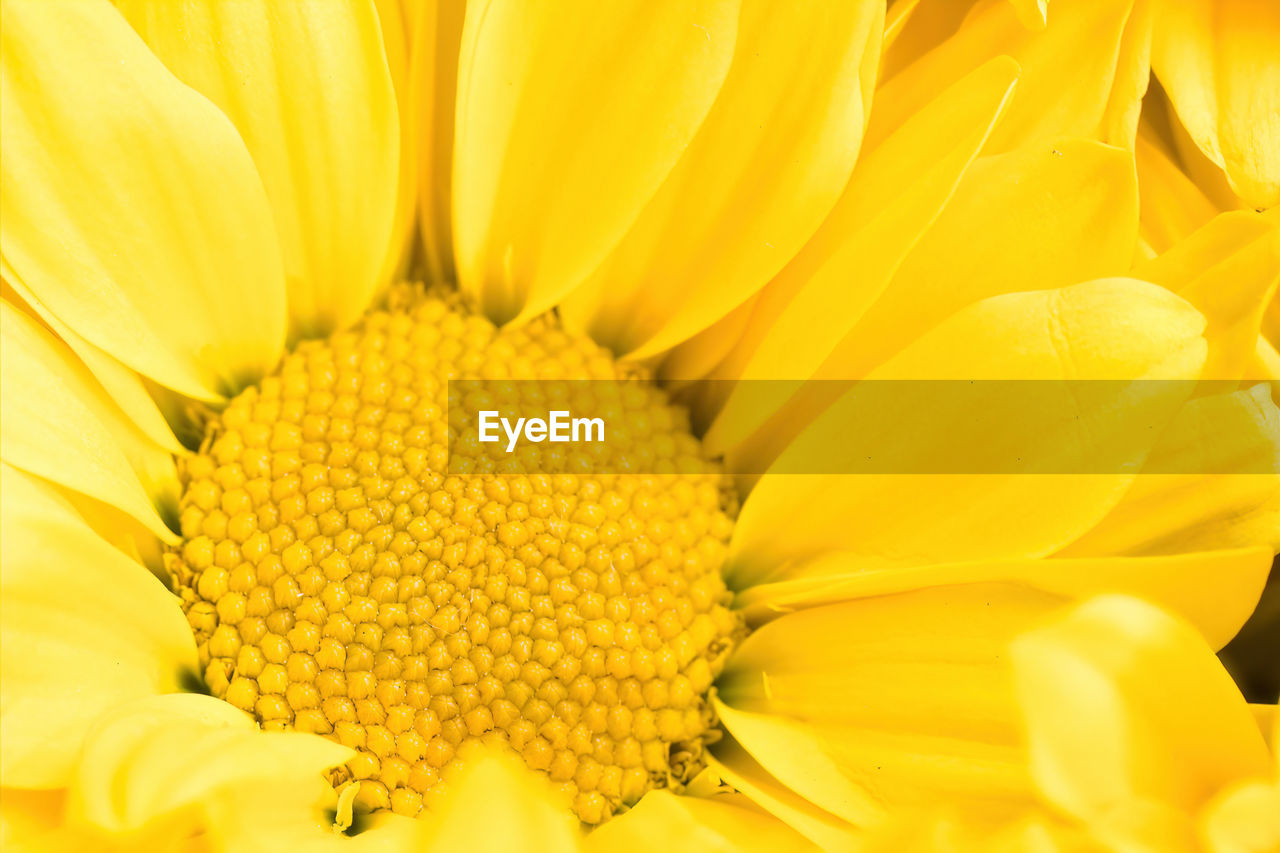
{"x": 1176, "y": 581}
{"x": 1095, "y": 100}
{"x": 1041, "y": 217}
{"x": 157, "y": 760}
{"x": 569, "y": 118}
{"x": 1125, "y": 703}
{"x": 1217, "y": 59}
{"x": 1212, "y": 481}
{"x": 887, "y": 206}
{"x": 132, "y": 209}
{"x": 735, "y": 766}
{"x": 125, "y": 386}
{"x": 888, "y": 702}
{"x": 1172, "y": 206}
{"x": 763, "y": 170}
{"x": 308, "y": 87}
{"x": 1213, "y": 478}
{"x": 398, "y": 20}
{"x": 1111, "y": 329}
{"x": 60, "y": 424}
{"x": 533, "y": 820}
{"x": 666, "y": 821}
{"x": 437, "y": 39}
{"x": 84, "y": 629}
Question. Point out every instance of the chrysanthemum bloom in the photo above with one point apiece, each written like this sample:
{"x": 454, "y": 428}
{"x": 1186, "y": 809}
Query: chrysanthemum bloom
{"x": 1138, "y": 740}
{"x": 206, "y": 208}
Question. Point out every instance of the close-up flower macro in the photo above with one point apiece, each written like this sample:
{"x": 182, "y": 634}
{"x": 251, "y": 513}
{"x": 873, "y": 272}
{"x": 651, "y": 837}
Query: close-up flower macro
{"x": 612, "y": 425}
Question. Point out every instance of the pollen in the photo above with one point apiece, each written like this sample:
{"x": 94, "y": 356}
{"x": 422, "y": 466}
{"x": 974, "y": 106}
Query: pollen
{"x": 338, "y": 580}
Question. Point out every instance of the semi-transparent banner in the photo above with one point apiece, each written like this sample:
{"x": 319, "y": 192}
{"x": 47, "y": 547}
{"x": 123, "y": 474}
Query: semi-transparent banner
{"x": 864, "y": 427}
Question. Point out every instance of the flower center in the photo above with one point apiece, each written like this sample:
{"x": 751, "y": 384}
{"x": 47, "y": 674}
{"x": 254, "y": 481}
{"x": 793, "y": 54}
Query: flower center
{"x": 340, "y": 581}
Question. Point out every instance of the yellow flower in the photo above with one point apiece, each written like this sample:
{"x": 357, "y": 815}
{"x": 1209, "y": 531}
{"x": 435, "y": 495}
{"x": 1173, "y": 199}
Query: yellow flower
{"x": 225, "y": 460}
{"x": 1138, "y": 740}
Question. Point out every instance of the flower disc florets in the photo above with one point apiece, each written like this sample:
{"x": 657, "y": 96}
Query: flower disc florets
{"x": 340, "y": 581}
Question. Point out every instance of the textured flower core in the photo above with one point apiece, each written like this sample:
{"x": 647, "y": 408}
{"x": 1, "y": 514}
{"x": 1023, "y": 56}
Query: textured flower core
{"x": 339, "y": 581}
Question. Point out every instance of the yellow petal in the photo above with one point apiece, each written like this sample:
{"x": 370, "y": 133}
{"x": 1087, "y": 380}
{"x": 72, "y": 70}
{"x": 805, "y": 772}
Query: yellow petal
{"x": 1222, "y": 238}
{"x": 1266, "y": 363}
{"x": 736, "y": 767}
{"x": 29, "y": 819}
{"x": 1212, "y": 481}
{"x": 1172, "y": 206}
{"x": 132, "y": 210}
{"x": 896, "y": 18}
{"x": 398, "y": 22}
{"x": 266, "y": 816}
{"x": 1229, "y": 270}
{"x": 764, "y": 169}
{"x": 937, "y": 829}
{"x": 1083, "y": 35}
{"x": 437, "y": 40}
{"x": 813, "y": 764}
{"x": 1108, "y": 329}
{"x": 532, "y": 819}
{"x": 1039, "y": 217}
{"x": 1123, "y": 112}
{"x": 1206, "y": 174}
{"x": 123, "y": 385}
{"x": 886, "y": 702}
{"x": 1042, "y": 216}
{"x": 84, "y": 629}
{"x": 921, "y": 25}
{"x": 1217, "y": 60}
{"x": 59, "y": 423}
{"x": 1268, "y": 720}
{"x": 159, "y": 758}
{"x": 308, "y": 87}
{"x": 890, "y": 201}
{"x": 1124, "y": 702}
{"x": 555, "y": 104}
{"x": 666, "y": 821}
{"x": 1271, "y": 321}
{"x": 1176, "y": 582}
{"x": 1243, "y": 819}
{"x": 698, "y": 356}
{"x": 1034, "y": 14}
{"x": 1145, "y": 825}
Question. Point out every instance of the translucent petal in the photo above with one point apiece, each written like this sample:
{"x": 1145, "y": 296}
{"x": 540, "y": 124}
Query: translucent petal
{"x": 1124, "y": 702}
{"x": 1244, "y": 818}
